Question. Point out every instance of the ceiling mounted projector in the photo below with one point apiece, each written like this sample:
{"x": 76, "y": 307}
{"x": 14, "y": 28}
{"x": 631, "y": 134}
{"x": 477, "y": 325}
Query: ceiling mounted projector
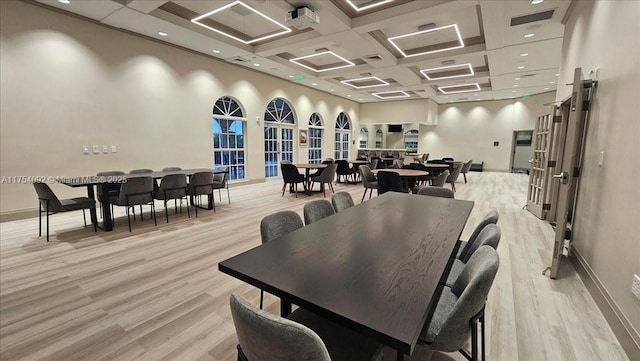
{"x": 302, "y": 18}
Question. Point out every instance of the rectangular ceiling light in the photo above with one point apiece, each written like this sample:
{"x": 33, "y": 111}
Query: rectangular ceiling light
{"x": 249, "y": 9}
{"x": 367, "y": 5}
{"x": 463, "y": 88}
{"x": 393, "y": 94}
{"x": 346, "y": 63}
{"x": 366, "y": 82}
{"x": 458, "y": 43}
{"x": 448, "y": 72}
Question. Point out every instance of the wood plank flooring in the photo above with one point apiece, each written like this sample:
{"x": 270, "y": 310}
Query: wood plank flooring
{"x": 156, "y": 293}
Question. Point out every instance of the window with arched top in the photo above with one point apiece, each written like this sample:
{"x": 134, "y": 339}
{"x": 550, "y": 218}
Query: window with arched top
{"x": 314, "y": 137}
{"x": 279, "y": 121}
{"x": 379, "y": 137}
{"x": 363, "y": 138}
{"x": 343, "y": 128}
{"x": 411, "y": 141}
{"x": 229, "y": 129}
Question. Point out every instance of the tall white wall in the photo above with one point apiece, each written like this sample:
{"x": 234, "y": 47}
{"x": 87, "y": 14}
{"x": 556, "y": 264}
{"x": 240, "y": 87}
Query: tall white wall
{"x": 606, "y": 229}
{"x": 67, "y": 82}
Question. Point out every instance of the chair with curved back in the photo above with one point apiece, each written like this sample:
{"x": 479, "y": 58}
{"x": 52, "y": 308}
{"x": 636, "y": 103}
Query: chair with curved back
{"x": 389, "y": 182}
{"x": 489, "y": 236}
{"x": 343, "y": 171}
{"x": 461, "y": 307}
{"x": 303, "y": 335}
{"x": 221, "y": 181}
{"x": 316, "y": 210}
{"x": 436, "y": 192}
{"x": 173, "y": 186}
{"x": 201, "y": 184}
{"x": 171, "y": 169}
{"x": 490, "y": 218}
{"x": 373, "y": 164}
{"x": 291, "y": 176}
{"x": 108, "y": 189}
{"x": 369, "y": 181}
{"x": 399, "y": 163}
{"x": 50, "y": 204}
{"x": 441, "y": 179}
{"x": 276, "y": 225}
{"x": 326, "y": 177}
{"x": 455, "y": 173}
{"x": 341, "y": 201}
{"x": 136, "y": 191}
{"x": 465, "y": 169}
{"x": 141, "y": 171}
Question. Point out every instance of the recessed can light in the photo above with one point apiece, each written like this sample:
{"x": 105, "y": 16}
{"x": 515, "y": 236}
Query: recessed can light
{"x": 290, "y": 76}
{"x": 524, "y": 54}
{"x": 515, "y": 85}
{"x": 552, "y": 82}
{"x": 216, "y": 51}
{"x": 162, "y": 33}
{"x": 521, "y": 67}
{"x": 256, "y": 64}
{"x": 530, "y": 35}
{"x": 64, "y": 1}
{"x": 314, "y": 84}
{"x": 536, "y": 2}
{"x": 517, "y": 79}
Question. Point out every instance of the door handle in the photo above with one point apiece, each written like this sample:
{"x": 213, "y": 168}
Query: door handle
{"x": 530, "y": 161}
{"x": 562, "y": 177}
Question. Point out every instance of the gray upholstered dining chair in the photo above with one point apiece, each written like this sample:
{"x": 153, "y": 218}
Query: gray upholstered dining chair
{"x": 326, "y": 177}
{"x": 461, "y": 307}
{"x": 50, "y": 204}
{"x": 141, "y": 171}
{"x": 171, "y": 169}
{"x": 276, "y": 225}
{"x": 263, "y": 336}
{"x": 369, "y": 181}
{"x": 201, "y": 184}
{"x": 490, "y": 218}
{"x": 111, "y": 189}
{"x": 441, "y": 179}
{"x": 136, "y": 191}
{"x": 489, "y": 236}
{"x": 436, "y": 192}
{"x": 455, "y": 173}
{"x": 399, "y": 163}
{"x": 465, "y": 169}
{"x": 316, "y": 210}
{"x": 373, "y": 164}
{"x": 221, "y": 181}
{"x": 341, "y": 201}
{"x": 172, "y": 186}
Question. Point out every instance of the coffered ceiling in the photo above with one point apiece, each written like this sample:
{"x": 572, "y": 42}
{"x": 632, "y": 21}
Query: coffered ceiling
{"x": 365, "y": 50}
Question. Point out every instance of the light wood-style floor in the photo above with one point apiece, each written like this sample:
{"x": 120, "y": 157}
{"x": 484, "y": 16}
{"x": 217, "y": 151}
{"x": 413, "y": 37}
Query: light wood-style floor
{"x": 156, "y": 293}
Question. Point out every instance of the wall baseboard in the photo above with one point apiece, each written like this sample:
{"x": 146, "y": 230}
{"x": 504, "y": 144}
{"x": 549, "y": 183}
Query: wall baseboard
{"x": 629, "y": 339}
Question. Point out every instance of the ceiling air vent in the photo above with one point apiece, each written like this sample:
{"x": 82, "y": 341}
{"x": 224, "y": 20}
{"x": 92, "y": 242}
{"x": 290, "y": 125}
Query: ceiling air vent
{"x": 527, "y": 75}
{"x": 239, "y": 59}
{"x": 525, "y": 19}
{"x": 371, "y": 58}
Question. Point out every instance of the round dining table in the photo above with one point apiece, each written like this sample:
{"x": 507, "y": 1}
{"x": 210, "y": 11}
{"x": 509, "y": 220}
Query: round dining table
{"x": 307, "y": 167}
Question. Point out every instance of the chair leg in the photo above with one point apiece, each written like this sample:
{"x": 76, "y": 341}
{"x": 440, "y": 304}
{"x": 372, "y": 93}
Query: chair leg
{"x": 141, "y": 217}
{"x": 84, "y": 218}
{"x": 465, "y": 182}
{"x": 261, "y": 298}
{"x": 228, "y": 196}
{"x": 196, "y": 204}
{"x": 474, "y": 341}
{"x": 95, "y": 225}
{"x": 129, "y": 218}
{"x": 39, "y": 219}
{"x": 153, "y": 212}
{"x": 482, "y": 335}
{"x": 295, "y": 189}
{"x": 47, "y": 209}
{"x": 213, "y": 200}
{"x": 284, "y": 187}
{"x": 188, "y": 212}
{"x": 166, "y": 211}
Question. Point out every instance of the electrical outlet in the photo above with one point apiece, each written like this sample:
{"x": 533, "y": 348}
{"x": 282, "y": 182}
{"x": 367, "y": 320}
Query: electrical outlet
{"x": 635, "y": 286}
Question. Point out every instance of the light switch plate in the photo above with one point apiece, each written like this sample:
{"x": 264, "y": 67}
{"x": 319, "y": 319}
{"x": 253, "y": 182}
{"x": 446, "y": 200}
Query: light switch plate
{"x": 114, "y": 149}
{"x": 105, "y": 149}
{"x": 96, "y": 149}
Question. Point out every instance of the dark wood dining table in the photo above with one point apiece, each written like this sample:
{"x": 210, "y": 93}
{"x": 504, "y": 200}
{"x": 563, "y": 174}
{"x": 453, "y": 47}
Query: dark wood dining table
{"x": 377, "y": 267}
{"x": 113, "y": 182}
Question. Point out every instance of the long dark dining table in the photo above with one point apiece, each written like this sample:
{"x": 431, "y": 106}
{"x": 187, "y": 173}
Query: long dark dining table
{"x": 376, "y": 268}
{"x": 113, "y": 182}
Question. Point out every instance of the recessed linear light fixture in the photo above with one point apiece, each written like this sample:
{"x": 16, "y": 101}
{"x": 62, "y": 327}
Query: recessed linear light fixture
{"x": 372, "y": 5}
{"x": 162, "y": 33}
{"x": 197, "y": 21}
{"x": 454, "y": 26}
{"x": 536, "y": 2}
{"x": 64, "y": 1}
{"x": 392, "y": 94}
{"x": 462, "y": 88}
{"x": 445, "y": 70}
{"x": 529, "y": 35}
{"x": 366, "y": 80}
{"x": 296, "y": 61}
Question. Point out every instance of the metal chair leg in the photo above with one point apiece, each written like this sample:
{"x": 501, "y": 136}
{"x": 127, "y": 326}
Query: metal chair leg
{"x": 261, "y": 298}
{"x": 39, "y": 219}
{"x": 128, "y": 219}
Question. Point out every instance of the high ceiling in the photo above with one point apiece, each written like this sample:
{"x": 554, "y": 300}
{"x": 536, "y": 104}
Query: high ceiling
{"x": 388, "y": 49}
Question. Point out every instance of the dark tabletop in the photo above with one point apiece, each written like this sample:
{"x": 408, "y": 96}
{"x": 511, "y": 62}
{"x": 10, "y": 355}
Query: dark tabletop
{"x": 375, "y": 267}
{"x": 95, "y": 180}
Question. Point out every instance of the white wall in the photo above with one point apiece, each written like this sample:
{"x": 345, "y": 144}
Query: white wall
{"x": 67, "y": 82}
{"x": 604, "y": 34}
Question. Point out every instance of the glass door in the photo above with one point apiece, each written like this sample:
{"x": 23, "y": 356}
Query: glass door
{"x": 278, "y": 146}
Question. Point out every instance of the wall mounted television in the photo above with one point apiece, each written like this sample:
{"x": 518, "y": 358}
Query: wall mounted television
{"x": 394, "y": 128}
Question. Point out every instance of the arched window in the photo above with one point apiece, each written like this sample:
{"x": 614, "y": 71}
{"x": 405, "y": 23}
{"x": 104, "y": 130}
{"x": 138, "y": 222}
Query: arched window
{"x": 229, "y": 128}
{"x": 279, "y": 122}
{"x": 315, "y": 138}
{"x": 411, "y": 141}
{"x": 363, "y": 138}
{"x": 379, "y": 137}
{"x": 343, "y": 128}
